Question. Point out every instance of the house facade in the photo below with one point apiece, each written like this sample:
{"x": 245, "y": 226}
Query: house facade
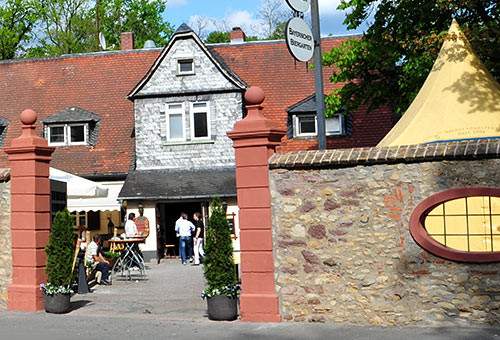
{"x": 150, "y": 124}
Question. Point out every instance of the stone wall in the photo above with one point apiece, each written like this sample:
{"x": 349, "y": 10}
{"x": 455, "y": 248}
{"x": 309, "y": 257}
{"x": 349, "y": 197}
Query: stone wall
{"x": 343, "y": 251}
{"x": 5, "y": 240}
{"x": 154, "y": 152}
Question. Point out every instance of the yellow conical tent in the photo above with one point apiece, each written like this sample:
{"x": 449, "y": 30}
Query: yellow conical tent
{"x": 459, "y": 100}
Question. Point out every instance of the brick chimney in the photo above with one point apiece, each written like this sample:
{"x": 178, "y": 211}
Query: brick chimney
{"x": 127, "y": 41}
{"x": 237, "y": 35}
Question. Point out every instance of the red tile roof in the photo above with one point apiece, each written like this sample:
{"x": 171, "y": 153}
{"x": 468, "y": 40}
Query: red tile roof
{"x": 270, "y": 66}
{"x": 99, "y": 82}
{"x": 95, "y": 82}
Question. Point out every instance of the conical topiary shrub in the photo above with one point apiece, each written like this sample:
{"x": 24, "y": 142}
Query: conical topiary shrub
{"x": 218, "y": 262}
{"x": 60, "y": 252}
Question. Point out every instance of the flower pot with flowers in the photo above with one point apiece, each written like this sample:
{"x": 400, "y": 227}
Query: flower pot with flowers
{"x": 60, "y": 249}
{"x": 222, "y": 291}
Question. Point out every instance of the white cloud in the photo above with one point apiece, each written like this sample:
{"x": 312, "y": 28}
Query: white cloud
{"x": 243, "y": 19}
{"x": 176, "y": 3}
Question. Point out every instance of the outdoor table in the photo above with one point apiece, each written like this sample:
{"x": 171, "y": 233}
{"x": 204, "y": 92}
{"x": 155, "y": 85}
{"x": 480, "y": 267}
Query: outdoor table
{"x": 130, "y": 257}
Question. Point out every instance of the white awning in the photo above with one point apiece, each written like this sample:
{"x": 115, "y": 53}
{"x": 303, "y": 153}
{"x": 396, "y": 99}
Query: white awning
{"x": 78, "y": 186}
{"x": 107, "y": 203}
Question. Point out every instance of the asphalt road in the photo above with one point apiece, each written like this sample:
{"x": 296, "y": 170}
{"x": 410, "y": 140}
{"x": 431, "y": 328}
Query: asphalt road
{"x": 23, "y": 325}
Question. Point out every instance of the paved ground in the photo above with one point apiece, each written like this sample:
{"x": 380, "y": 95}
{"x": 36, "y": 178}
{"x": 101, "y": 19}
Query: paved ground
{"x": 171, "y": 291}
{"x": 167, "y": 305}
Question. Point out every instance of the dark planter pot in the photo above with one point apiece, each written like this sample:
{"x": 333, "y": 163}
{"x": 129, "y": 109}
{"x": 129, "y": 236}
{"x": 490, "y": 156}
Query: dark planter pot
{"x": 222, "y": 307}
{"x": 57, "y": 303}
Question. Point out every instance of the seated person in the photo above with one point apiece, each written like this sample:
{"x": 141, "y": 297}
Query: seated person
{"x": 96, "y": 260}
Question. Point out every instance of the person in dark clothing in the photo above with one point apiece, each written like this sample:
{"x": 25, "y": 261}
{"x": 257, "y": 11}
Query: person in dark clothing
{"x": 198, "y": 238}
{"x": 96, "y": 258}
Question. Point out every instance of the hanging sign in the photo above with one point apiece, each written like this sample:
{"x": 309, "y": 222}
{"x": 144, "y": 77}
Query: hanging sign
{"x": 299, "y": 39}
{"x": 299, "y": 5}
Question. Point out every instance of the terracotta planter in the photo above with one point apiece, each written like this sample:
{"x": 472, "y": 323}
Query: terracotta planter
{"x": 222, "y": 307}
{"x": 56, "y": 303}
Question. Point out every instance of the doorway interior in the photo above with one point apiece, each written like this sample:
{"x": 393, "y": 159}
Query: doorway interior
{"x": 169, "y": 214}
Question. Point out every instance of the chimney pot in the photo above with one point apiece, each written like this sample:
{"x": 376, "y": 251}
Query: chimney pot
{"x": 127, "y": 41}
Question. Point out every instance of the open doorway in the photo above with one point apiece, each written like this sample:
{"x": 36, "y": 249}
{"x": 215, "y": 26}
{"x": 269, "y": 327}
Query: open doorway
{"x": 169, "y": 213}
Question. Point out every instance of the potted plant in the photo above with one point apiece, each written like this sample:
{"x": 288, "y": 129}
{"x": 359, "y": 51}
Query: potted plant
{"x": 222, "y": 291}
{"x": 111, "y": 257}
{"x": 60, "y": 251}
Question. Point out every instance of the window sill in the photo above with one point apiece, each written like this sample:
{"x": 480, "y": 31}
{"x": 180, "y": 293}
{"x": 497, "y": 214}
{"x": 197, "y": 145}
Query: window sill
{"x": 190, "y": 142}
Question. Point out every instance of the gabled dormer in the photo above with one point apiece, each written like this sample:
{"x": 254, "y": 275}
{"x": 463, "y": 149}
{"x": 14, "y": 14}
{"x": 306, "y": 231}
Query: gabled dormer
{"x": 72, "y": 126}
{"x": 184, "y": 106}
{"x": 187, "y": 65}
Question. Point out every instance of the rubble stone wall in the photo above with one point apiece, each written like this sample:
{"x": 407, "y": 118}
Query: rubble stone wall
{"x": 343, "y": 251}
{"x": 5, "y": 242}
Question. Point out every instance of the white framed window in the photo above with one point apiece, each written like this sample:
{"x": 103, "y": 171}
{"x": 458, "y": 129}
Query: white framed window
{"x": 185, "y": 66}
{"x": 306, "y": 125}
{"x": 335, "y": 125}
{"x": 200, "y": 120}
{"x": 67, "y": 134}
{"x": 175, "y": 122}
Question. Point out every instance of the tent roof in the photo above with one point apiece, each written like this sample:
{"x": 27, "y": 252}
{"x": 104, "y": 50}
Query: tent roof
{"x": 459, "y": 100}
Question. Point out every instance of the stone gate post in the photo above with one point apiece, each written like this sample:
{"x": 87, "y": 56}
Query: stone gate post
{"x": 30, "y": 157}
{"x": 254, "y": 140}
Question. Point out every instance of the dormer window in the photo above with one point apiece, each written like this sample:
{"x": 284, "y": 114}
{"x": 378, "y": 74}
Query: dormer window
{"x": 185, "y": 66}
{"x": 302, "y": 121}
{"x": 67, "y": 134}
{"x": 72, "y": 126}
{"x": 306, "y": 125}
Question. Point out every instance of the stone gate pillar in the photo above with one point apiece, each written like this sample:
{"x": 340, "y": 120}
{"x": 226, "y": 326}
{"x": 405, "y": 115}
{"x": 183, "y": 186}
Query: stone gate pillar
{"x": 254, "y": 140}
{"x": 29, "y": 156}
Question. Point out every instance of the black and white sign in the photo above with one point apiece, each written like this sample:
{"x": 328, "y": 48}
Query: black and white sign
{"x": 299, "y": 5}
{"x": 299, "y": 39}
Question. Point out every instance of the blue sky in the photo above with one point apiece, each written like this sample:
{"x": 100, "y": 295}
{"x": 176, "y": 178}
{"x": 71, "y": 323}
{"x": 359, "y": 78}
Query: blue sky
{"x": 243, "y": 13}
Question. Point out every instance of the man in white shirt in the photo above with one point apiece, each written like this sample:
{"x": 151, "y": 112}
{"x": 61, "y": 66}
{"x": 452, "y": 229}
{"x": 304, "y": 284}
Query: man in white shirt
{"x": 96, "y": 260}
{"x": 130, "y": 227}
{"x": 184, "y": 228}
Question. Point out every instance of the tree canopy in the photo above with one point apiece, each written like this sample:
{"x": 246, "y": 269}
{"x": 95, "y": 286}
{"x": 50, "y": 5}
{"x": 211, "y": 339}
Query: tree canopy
{"x": 17, "y": 20}
{"x": 390, "y": 62}
{"x": 35, "y": 28}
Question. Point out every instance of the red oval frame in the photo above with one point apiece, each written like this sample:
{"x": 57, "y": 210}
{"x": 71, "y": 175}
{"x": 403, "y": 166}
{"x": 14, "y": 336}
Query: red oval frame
{"x": 420, "y": 236}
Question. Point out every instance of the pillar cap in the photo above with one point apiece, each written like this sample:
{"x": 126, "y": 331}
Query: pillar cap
{"x": 28, "y": 117}
{"x": 254, "y": 95}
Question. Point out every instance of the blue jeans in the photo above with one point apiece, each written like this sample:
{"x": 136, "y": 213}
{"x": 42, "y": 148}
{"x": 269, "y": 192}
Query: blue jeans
{"x": 185, "y": 241}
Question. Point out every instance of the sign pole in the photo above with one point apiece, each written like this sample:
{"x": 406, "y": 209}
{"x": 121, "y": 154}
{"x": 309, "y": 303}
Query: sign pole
{"x": 318, "y": 76}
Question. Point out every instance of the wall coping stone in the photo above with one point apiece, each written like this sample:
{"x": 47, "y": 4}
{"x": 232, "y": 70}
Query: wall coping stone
{"x": 339, "y": 158}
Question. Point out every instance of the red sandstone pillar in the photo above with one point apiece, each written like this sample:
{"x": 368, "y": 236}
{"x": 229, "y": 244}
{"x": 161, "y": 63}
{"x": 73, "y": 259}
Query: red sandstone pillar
{"x": 29, "y": 156}
{"x": 254, "y": 139}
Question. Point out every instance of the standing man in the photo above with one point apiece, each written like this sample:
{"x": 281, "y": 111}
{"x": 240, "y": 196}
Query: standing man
{"x": 198, "y": 238}
{"x": 184, "y": 228}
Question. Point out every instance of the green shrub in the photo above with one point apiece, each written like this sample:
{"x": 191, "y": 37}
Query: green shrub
{"x": 60, "y": 250}
{"x": 218, "y": 262}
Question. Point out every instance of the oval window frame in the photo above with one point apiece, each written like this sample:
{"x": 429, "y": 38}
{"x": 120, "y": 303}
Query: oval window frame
{"x": 419, "y": 234}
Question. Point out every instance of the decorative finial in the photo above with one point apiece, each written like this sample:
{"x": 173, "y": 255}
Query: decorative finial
{"x": 254, "y": 95}
{"x": 28, "y": 117}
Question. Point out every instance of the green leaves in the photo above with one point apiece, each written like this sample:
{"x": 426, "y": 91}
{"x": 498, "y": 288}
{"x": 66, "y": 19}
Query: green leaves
{"x": 71, "y": 26}
{"x": 218, "y": 262}
{"x": 60, "y": 250}
{"x": 389, "y": 64}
